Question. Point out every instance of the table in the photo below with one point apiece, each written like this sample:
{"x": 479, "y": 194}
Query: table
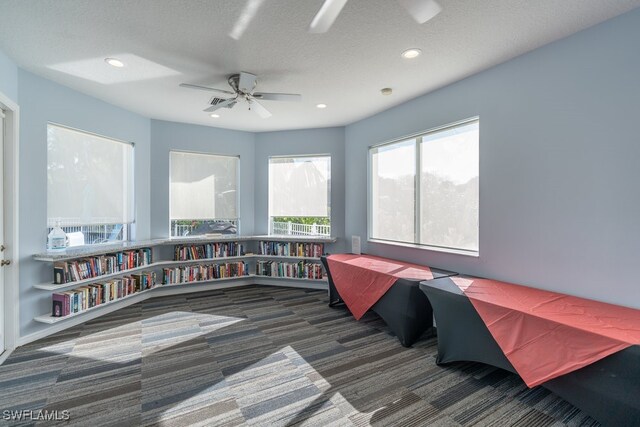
{"x": 607, "y": 389}
{"x": 401, "y": 304}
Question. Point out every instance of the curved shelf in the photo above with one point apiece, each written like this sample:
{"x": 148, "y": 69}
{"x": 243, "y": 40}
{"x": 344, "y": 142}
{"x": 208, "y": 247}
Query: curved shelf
{"x": 323, "y": 280}
{"x": 286, "y": 257}
{"x": 204, "y": 260}
{"x": 71, "y": 285}
{"x": 92, "y": 250}
{"x": 197, "y": 282}
{"x": 47, "y": 318}
{"x": 88, "y": 251}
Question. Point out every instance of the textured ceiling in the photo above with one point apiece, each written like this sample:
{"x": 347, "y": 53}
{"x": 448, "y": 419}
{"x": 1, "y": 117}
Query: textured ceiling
{"x": 166, "y": 42}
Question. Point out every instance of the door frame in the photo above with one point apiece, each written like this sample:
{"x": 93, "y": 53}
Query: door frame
{"x": 11, "y": 217}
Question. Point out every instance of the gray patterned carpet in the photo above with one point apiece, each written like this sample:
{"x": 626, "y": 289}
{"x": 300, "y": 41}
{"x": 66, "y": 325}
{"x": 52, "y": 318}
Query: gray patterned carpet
{"x": 260, "y": 356}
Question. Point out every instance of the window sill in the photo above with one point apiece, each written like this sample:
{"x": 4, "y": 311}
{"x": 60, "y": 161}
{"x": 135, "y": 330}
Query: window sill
{"x": 473, "y": 254}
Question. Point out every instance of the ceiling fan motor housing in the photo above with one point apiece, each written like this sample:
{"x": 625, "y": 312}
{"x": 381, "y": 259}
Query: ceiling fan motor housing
{"x": 234, "y": 82}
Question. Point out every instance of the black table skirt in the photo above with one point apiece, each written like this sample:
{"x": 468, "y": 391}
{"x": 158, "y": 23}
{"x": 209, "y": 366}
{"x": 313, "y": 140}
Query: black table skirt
{"x": 608, "y": 390}
{"x": 404, "y": 308}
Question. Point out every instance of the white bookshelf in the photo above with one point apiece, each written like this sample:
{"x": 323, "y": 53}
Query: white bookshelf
{"x": 197, "y": 282}
{"x": 119, "y": 303}
{"x": 157, "y": 246}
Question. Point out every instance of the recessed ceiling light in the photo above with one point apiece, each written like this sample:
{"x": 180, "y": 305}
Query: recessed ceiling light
{"x": 411, "y": 53}
{"x": 215, "y": 116}
{"x": 386, "y": 91}
{"x": 114, "y": 62}
{"x": 321, "y": 105}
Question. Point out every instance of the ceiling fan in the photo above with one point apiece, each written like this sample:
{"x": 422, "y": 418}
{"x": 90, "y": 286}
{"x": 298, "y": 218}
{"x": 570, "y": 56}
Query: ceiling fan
{"x": 421, "y": 10}
{"x": 243, "y": 86}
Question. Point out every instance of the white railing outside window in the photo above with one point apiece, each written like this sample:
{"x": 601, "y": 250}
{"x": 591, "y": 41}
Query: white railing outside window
{"x": 293, "y": 229}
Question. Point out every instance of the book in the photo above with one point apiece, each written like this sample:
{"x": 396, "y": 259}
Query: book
{"x": 58, "y": 274}
{"x": 58, "y": 308}
{"x": 90, "y": 267}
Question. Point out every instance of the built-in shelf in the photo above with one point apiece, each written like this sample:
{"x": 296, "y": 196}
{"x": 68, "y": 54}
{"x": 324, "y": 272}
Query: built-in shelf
{"x": 287, "y": 257}
{"x": 91, "y": 280}
{"x": 207, "y": 260}
{"x": 301, "y": 239}
{"x": 254, "y": 279}
{"x": 48, "y": 318}
{"x": 105, "y": 248}
{"x": 196, "y": 282}
{"x": 195, "y": 286}
{"x": 86, "y": 251}
{"x": 323, "y": 280}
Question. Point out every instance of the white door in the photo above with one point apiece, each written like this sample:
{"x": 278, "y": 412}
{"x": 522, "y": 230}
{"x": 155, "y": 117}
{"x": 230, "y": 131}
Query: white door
{"x": 2, "y": 308}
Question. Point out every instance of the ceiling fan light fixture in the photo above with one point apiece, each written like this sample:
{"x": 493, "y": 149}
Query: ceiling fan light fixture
{"x": 215, "y": 116}
{"x": 114, "y": 62}
{"x": 411, "y": 53}
{"x": 321, "y": 106}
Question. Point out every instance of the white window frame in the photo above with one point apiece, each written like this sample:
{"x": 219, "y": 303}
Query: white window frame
{"x": 300, "y": 156}
{"x": 418, "y": 144}
{"x": 126, "y": 228}
{"x": 238, "y": 183}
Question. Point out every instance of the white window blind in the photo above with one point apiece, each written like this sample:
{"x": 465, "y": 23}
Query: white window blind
{"x": 203, "y": 186}
{"x": 89, "y": 179}
{"x": 299, "y": 186}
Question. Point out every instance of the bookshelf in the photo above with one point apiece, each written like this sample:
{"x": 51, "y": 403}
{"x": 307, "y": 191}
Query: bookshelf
{"x": 192, "y": 254}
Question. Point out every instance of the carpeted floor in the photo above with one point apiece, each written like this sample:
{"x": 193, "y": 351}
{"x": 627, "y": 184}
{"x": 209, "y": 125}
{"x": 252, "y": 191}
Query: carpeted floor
{"x": 260, "y": 356}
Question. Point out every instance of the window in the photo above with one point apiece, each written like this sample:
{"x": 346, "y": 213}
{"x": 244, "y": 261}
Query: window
{"x": 424, "y": 189}
{"x": 203, "y": 194}
{"x": 300, "y": 195}
{"x": 89, "y": 186}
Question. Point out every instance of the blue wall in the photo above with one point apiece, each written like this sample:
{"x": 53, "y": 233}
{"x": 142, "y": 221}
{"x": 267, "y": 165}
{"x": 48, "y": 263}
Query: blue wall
{"x": 201, "y": 139}
{"x": 8, "y": 77}
{"x": 300, "y": 142}
{"x": 43, "y": 101}
{"x": 559, "y": 151}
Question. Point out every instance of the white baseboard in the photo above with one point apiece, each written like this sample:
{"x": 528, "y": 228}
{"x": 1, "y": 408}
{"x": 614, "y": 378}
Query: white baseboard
{"x": 4, "y": 356}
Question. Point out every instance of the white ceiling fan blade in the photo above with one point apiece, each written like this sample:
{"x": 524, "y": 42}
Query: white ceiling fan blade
{"x": 259, "y": 108}
{"x": 208, "y": 89}
{"x": 247, "y": 15}
{"x": 326, "y": 16}
{"x": 247, "y": 82}
{"x": 421, "y": 10}
{"x": 278, "y": 96}
{"x": 226, "y": 103}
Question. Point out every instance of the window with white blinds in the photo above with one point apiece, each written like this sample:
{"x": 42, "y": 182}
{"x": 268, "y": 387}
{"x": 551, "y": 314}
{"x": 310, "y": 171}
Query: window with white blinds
{"x": 89, "y": 185}
{"x": 300, "y": 194}
{"x": 204, "y": 193}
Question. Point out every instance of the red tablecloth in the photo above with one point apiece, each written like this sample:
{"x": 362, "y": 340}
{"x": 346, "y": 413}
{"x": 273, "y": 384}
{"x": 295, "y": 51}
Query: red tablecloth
{"x": 361, "y": 280}
{"x": 546, "y": 334}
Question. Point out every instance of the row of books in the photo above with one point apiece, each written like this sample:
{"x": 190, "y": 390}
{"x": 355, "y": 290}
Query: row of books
{"x": 300, "y": 270}
{"x": 85, "y": 297}
{"x": 314, "y": 250}
{"x": 195, "y": 273}
{"x": 86, "y": 268}
{"x": 209, "y": 250}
